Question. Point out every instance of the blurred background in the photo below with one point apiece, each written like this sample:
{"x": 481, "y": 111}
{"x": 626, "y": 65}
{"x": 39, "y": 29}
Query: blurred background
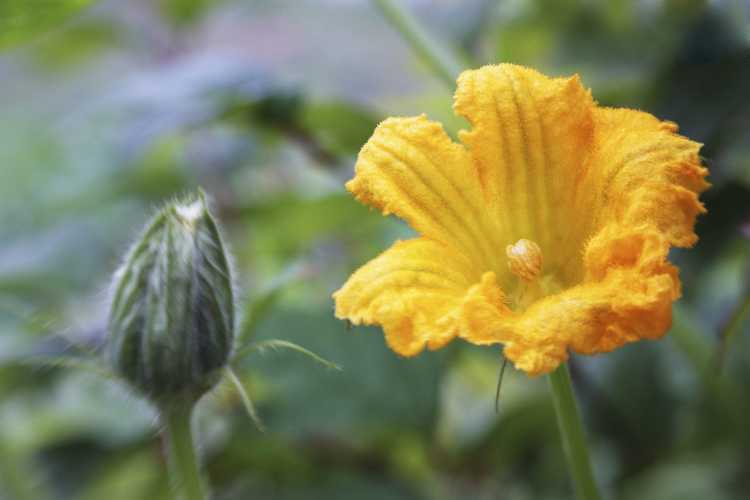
{"x": 110, "y": 108}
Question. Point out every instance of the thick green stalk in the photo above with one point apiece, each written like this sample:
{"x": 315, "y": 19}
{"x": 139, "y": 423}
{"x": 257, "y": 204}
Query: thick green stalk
{"x": 184, "y": 470}
{"x": 573, "y": 437}
{"x": 442, "y": 63}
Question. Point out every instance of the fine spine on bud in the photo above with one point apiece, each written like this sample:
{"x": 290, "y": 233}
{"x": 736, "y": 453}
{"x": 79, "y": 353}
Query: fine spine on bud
{"x": 171, "y": 324}
{"x": 524, "y": 259}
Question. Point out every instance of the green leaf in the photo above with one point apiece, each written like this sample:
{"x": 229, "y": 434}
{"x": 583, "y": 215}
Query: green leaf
{"x": 732, "y": 327}
{"x": 380, "y": 392}
{"x": 258, "y": 306}
{"x": 341, "y": 127}
{"x": 140, "y": 470}
{"x": 289, "y": 225}
{"x": 22, "y": 20}
{"x": 186, "y": 11}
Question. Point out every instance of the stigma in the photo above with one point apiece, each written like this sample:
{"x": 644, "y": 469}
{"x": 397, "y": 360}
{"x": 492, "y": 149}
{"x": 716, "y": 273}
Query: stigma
{"x": 524, "y": 259}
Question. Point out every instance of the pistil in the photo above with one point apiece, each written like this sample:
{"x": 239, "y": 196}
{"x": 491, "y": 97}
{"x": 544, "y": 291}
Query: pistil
{"x": 525, "y": 261}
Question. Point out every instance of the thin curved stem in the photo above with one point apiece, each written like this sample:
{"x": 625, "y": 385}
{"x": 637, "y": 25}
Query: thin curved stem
{"x": 442, "y": 63}
{"x": 184, "y": 471}
{"x": 573, "y": 437}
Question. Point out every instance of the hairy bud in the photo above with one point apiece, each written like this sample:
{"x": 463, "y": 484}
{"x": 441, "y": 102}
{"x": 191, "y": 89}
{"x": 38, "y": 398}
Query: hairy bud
{"x": 171, "y": 322}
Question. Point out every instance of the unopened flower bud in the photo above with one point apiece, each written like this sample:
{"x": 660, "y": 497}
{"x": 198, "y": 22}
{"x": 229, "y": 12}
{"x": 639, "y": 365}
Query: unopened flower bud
{"x": 524, "y": 259}
{"x": 171, "y": 322}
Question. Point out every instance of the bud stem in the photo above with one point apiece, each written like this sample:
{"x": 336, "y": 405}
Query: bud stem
{"x": 571, "y": 432}
{"x": 184, "y": 472}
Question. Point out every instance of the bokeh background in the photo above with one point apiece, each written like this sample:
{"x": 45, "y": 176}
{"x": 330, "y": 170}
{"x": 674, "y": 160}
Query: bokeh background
{"x": 110, "y": 108}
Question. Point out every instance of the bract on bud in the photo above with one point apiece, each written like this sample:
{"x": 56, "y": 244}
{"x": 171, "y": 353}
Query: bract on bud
{"x": 171, "y": 322}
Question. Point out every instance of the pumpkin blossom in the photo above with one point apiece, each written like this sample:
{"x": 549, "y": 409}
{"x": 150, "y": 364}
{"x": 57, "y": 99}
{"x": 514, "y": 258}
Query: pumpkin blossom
{"x": 546, "y": 229}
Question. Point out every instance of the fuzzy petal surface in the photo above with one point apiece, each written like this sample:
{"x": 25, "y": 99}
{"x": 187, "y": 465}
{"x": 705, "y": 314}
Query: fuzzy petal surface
{"x": 413, "y": 290}
{"x": 603, "y": 192}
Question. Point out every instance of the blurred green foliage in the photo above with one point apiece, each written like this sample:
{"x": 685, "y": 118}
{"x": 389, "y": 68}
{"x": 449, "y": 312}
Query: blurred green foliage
{"x": 22, "y": 20}
{"x": 110, "y": 109}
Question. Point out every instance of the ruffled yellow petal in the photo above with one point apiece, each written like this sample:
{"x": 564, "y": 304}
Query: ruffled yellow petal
{"x": 627, "y": 296}
{"x": 529, "y": 136}
{"x": 483, "y": 311}
{"x": 411, "y": 168}
{"x": 642, "y": 171}
{"x": 412, "y": 290}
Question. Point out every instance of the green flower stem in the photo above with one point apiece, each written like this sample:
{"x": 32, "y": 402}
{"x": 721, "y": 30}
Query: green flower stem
{"x": 571, "y": 431}
{"x": 184, "y": 471}
{"x": 442, "y": 63}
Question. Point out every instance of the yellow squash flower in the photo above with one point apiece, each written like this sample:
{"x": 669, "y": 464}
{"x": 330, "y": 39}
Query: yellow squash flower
{"x": 546, "y": 229}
